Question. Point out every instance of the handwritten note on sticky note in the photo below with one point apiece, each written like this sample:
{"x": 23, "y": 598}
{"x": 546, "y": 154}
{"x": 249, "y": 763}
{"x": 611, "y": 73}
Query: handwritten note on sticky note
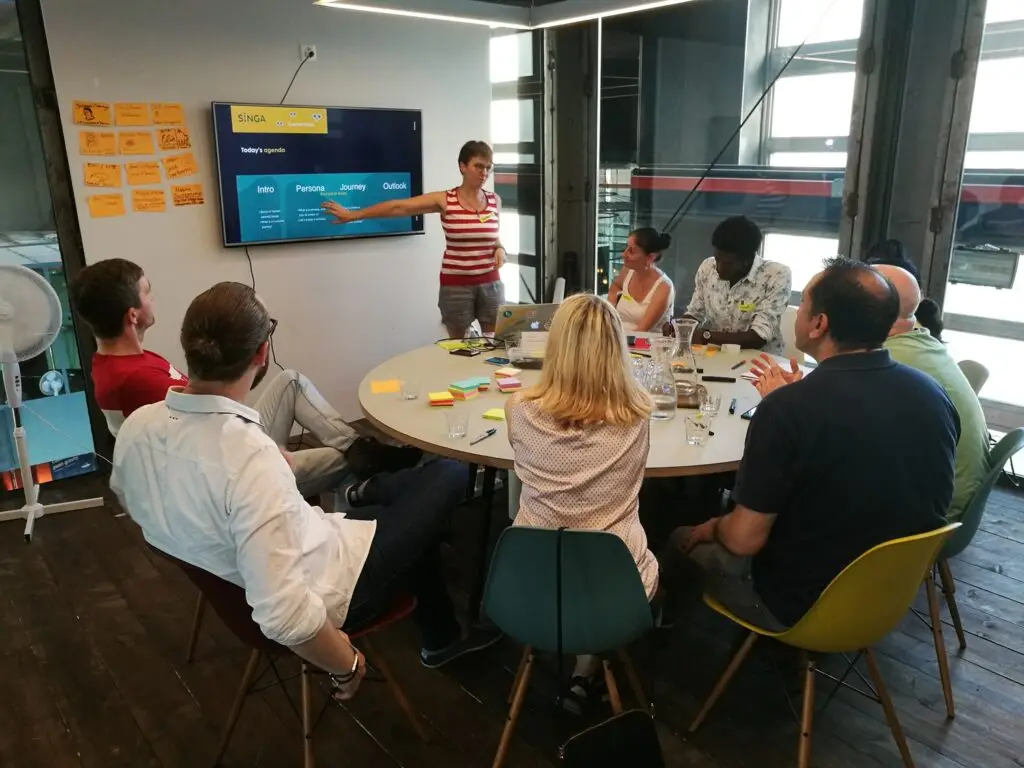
{"x": 135, "y": 143}
{"x": 167, "y": 114}
{"x": 131, "y": 113}
{"x": 495, "y": 414}
{"x": 101, "y": 206}
{"x": 388, "y": 386}
{"x": 96, "y": 143}
{"x": 149, "y": 200}
{"x": 187, "y": 194}
{"x": 142, "y": 173}
{"x": 102, "y": 175}
{"x": 178, "y": 166}
{"x": 173, "y": 138}
{"x": 92, "y": 113}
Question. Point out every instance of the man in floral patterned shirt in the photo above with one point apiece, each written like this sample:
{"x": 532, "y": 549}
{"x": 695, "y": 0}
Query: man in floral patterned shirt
{"x": 738, "y": 297}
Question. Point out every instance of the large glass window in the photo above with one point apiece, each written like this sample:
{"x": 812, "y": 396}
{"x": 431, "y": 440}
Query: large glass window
{"x": 516, "y": 109}
{"x": 54, "y": 409}
{"x": 984, "y": 305}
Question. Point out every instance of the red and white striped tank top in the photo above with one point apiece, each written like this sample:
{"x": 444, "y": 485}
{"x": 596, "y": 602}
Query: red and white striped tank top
{"x": 470, "y": 240}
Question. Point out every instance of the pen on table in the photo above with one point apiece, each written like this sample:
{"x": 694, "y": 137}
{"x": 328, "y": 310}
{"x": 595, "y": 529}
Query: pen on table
{"x": 732, "y": 406}
{"x": 741, "y": 362}
{"x": 482, "y": 437}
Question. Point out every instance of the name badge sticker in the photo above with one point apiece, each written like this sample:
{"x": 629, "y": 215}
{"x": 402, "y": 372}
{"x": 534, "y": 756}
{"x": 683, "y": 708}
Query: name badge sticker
{"x": 747, "y": 306}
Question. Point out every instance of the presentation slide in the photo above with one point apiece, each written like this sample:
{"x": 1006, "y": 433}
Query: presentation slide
{"x": 278, "y": 164}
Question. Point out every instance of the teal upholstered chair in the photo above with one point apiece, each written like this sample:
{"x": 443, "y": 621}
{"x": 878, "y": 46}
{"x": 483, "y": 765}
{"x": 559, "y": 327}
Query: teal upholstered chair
{"x": 565, "y": 591}
{"x": 1000, "y": 454}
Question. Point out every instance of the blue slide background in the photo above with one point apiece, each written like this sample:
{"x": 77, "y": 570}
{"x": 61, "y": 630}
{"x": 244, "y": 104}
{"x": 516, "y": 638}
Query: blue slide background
{"x": 287, "y": 214}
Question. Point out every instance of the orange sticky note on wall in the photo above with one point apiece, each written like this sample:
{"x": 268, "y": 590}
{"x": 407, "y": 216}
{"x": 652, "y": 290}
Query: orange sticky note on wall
{"x": 178, "y": 166}
{"x": 92, "y": 113}
{"x": 165, "y": 113}
{"x": 143, "y": 173}
{"x": 136, "y": 143}
{"x": 97, "y": 143}
{"x": 149, "y": 200}
{"x": 101, "y": 206}
{"x": 131, "y": 113}
{"x": 187, "y": 194}
{"x": 173, "y": 138}
{"x": 102, "y": 175}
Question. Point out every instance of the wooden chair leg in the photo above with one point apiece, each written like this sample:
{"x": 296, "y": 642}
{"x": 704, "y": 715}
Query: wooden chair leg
{"x": 519, "y": 675}
{"x": 634, "y": 679}
{"x": 513, "y": 713}
{"x": 236, "y": 706}
{"x": 378, "y": 660}
{"x": 197, "y": 621}
{"x": 940, "y": 644}
{"x": 307, "y": 718}
{"x": 806, "y": 714}
{"x": 949, "y": 591}
{"x": 890, "y": 710}
{"x": 723, "y": 681}
{"x": 613, "y": 688}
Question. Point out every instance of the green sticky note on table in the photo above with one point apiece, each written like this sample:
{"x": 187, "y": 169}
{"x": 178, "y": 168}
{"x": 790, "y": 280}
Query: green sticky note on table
{"x": 388, "y": 386}
{"x": 497, "y": 414}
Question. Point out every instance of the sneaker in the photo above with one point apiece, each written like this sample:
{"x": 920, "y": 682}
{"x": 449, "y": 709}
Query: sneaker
{"x": 583, "y": 693}
{"x": 478, "y": 639}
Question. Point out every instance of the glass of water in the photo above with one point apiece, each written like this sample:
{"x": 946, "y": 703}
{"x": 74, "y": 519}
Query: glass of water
{"x": 457, "y": 420}
{"x": 698, "y": 427}
{"x": 710, "y": 404}
{"x": 410, "y": 390}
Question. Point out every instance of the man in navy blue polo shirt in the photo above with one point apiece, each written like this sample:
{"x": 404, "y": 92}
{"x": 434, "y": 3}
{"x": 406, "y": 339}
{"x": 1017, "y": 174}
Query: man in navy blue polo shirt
{"x": 858, "y": 452}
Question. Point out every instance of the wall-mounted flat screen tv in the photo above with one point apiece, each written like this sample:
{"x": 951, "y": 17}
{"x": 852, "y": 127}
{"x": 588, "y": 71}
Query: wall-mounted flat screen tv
{"x": 278, "y": 163}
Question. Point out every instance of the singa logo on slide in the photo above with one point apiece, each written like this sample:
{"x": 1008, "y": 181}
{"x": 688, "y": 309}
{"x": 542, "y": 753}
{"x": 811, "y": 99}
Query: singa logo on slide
{"x": 247, "y": 117}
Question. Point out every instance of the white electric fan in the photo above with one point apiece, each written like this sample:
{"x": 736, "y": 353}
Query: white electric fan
{"x": 30, "y": 319}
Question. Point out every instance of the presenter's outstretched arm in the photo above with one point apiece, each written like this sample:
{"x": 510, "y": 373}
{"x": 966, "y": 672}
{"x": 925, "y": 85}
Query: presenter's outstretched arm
{"x": 432, "y": 202}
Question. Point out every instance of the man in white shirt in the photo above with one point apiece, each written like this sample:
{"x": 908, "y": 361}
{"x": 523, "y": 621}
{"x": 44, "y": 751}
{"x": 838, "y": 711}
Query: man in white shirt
{"x": 738, "y": 297}
{"x": 207, "y": 485}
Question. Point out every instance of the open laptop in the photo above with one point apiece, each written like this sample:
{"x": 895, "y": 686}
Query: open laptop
{"x": 517, "y": 318}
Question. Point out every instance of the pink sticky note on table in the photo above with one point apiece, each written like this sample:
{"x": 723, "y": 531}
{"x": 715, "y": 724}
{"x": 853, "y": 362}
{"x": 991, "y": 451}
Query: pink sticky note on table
{"x": 388, "y": 386}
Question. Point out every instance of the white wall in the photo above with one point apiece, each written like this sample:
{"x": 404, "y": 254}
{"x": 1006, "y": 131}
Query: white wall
{"x": 343, "y": 307}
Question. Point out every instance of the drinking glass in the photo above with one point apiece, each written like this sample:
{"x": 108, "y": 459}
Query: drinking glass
{"x": 698, "y": 426}
{"x": 457, "y": 420}
{"x": 410, "y": 390}
{"x": 710, "y": 404}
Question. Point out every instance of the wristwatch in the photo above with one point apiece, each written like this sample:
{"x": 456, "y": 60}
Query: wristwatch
{"x": 706, "y": 335}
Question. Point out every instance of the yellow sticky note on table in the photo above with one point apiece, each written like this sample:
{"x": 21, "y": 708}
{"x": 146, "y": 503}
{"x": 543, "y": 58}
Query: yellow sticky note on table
{"x": 187, "y": 194}
{"x": 143, "y": 173}
{"x": 496, "y": 414}
{"x": 92, "y": 113}
{"x": 136, "y": 143}
{"x": 165, "y": 113}
{"x": 711, "y": 351}
{"x": 385, "y": 387}
{"x": 149, "y": 200}
{"x": 101, "y": 206}
{"x": 451, "y": 344}
{"x": 178, "y": 166}
{"x": 102, "y": 175}
{"x": 173, "y": 138}
{"x": 131, "y": 113}
{"x": 96, "y": 143}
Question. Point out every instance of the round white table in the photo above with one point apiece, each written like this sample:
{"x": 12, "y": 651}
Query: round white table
{"x": 432, "y": 369}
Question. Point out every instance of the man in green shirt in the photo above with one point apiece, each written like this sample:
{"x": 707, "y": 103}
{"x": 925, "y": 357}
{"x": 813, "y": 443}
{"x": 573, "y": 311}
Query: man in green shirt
{"x": 912, "y": 345}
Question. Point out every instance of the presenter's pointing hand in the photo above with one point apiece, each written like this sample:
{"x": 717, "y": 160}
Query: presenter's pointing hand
{"x": 341, "y": 215}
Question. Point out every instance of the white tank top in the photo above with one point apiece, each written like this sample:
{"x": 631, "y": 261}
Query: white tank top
{"x": 632, "y": 310}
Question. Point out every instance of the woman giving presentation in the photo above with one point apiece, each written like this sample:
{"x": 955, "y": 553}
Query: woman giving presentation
{"x": 471, "y": 288}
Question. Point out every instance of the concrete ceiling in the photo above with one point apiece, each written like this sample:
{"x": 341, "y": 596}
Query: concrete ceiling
{"x": 9, "y": 21}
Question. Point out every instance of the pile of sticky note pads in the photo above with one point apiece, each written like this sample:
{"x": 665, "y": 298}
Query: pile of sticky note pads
{"x": 467, "y": 389}
{"x": 439, "y": 399}
{"x": 507, "y": 372}
{"x": 509, "y": 384}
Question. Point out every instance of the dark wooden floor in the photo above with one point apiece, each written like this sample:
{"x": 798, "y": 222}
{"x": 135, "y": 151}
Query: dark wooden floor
{"x": 93, "y": 632}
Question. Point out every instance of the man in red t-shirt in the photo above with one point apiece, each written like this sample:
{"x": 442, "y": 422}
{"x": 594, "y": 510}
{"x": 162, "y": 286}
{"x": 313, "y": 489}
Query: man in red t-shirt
{"x": 115, "y": 299}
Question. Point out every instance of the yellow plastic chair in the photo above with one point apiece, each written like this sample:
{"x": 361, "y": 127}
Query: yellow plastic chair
{"x": 860, "y": 607}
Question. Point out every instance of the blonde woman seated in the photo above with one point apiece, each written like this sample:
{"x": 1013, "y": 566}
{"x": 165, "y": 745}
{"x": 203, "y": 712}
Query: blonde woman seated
{"x": 642, "y": 293}
{"x": 581, "y": 438}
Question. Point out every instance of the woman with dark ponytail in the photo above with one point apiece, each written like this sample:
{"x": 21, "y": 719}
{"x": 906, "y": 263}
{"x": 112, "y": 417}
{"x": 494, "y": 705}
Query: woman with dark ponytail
{"x": 894, "y": 253}
{"x": 642, "y": 293}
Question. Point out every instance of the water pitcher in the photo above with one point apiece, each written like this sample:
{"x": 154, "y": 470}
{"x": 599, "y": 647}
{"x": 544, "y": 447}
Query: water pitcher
{"x": 684, "y": 364}
{"x": 660, "y": 383}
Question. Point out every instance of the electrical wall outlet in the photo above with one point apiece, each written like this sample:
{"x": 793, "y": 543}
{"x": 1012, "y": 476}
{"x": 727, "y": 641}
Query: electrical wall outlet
{"x": 307, "y": 51}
